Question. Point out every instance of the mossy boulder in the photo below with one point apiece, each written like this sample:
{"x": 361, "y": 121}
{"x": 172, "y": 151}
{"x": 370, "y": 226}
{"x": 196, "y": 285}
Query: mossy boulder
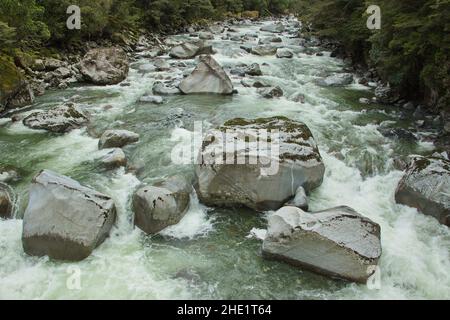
{"x": 263, "y": 164}
{"x": 15, "y": 91}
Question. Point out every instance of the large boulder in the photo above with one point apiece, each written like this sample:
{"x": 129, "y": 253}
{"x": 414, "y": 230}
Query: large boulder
{"x": 105, "y": 66}
{"x": 65, "y": 220}
{"x": 117, "y": 139}
{"x": 15, "y": 91}
{"x": 161, "y": 205}
{"x": 426, "y": 186}
{"x": 260, "y": 172}
{"x": 337, "y": 80}
{"x": 189, "y": 50}
{"x": 273, "y": 28}
{"x": 6, "y": 201}
{"x": 60, "y": 119}
{"x": 208, "y": 77}
{"x": 339, "y": 242}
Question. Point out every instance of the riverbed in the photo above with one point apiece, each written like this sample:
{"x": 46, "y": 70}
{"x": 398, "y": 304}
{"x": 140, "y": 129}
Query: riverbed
{"x": 212, "y": 253}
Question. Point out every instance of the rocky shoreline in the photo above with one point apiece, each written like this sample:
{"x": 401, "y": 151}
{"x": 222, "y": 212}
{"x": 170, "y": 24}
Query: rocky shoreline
{"x": 67, "y": 221}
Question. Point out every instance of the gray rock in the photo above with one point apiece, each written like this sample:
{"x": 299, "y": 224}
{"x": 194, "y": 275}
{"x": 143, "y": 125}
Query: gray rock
{"x": 8, "y": 174}
{"x": 264, "y": 50}
{"x": 339, "y": 242}
{"x": 60, "y": 119}
{"x": 208, "y": 77}
{"x": 161, "y": 205}
{"x": 117, "y": 139}
{"x": 105, "y": 66}
{"x": 65, "y": 220}
{"x": 246, "y": 48}
{"x": 216, "y": 29}
{"x": 51, "y": 64}
{"x": 254, "y": 70}
{"x": 151, "y": 99}
{"x": 161, "y": 65}
{"x": 364, "y": 101}
{"x": 300, "y": 200}
{"x": 63, "y": 72}
{"x": 205, "y": 36}
{"x": 336, "y": 80}
{"x": 386, "y": 95}
{"x": 7, "y": 198}
{"x": 23, "y": 96}
{"x": 114, "y": 159}
{"x": 269, "y": 93}
{"x": 284, "y": 53}
{"x": 258, "y": 176}
{"x": 274, "y": 28}
{"x": 189, "y": 50}
{"x": 269, "y": 40}
{"x": 426, "y": 186}
{"x": 160, "y": 88}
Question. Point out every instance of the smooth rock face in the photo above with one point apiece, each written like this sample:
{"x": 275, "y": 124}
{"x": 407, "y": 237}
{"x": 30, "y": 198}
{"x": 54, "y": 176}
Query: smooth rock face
{"x": 284, "y": 53}
{"x": 189, "y": 50}
{"x": 260, "y": 178}
{"x": 114, "y": 159}
{"x": 65, "y": 220}
{"x": 339, "y": 242}
{"x": 337, "y": 80}
{"x": 300, "y": 200}
{"x": 426, "y": 186}
{"x": 6, "y": 202}
{"x": 105, "y": 66}
{"x": 117, "y": 139}
{"x": 162, "y": 205}
{"x": 208, "y": 77}
{"x": 60, "y": 119}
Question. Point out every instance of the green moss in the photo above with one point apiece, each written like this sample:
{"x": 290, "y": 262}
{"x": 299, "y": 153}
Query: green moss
{"x": 10, "y": 78}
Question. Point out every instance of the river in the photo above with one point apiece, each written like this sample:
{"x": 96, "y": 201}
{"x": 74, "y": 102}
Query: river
{"x": 211, "y": 254}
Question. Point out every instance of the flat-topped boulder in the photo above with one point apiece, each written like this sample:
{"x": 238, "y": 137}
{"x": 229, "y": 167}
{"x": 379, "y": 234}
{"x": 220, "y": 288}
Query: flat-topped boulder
{"x": 117, "y": 139}
{"x": 65, "y": 220}
{"x": 426, "y": 186}
{"x": 339, "y": 243}
{"x": 207, "y": 77}
{"x": 60, "y": 119}
{"x": 105, "y": 66}
{"x": 258, "y": 169}
{"x": 189, "y": 50}
{"x": 161, "y": 205}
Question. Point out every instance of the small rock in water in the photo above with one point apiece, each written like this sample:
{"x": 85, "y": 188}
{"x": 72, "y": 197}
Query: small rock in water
{"x": 160, "y": 88}
{"x": 284, "y": 53}
{"x": 337, "y": 80}
{"x": 117, "y": 139}
{"x": 269, "y": 93}
{"x": 65, "y": 220}
{"x": 339, "y": 242}
{"x": 254, "y": 70}
{"x": 264, "y": 50}
{"x": 364, "y": 101}
{"x": 114, "y": 159}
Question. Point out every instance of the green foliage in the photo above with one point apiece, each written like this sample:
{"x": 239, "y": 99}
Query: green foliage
{"x": 411, "y": 50}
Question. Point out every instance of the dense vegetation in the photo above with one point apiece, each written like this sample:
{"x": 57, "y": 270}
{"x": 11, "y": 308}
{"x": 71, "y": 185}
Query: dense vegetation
{"x": 411, "y": 50}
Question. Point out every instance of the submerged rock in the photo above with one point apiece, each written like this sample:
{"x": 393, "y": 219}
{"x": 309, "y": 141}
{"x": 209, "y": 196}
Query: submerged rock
{"x": 105, "y": 66}
{"x": 60, "y": 119}
{"x": 65, "y": 220}
{"x": 208, "y": 77}
{"x": 161, "y": 205}
{"x": 339, "y": 242}
{"x": 189, "y": 50}
{"x": 337, "y": 80}
{"x": 6, "y": 202}
{"x": 263, "y": 174}
{"x": 117, "y": 139}
{"x": 426, "y": 186}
